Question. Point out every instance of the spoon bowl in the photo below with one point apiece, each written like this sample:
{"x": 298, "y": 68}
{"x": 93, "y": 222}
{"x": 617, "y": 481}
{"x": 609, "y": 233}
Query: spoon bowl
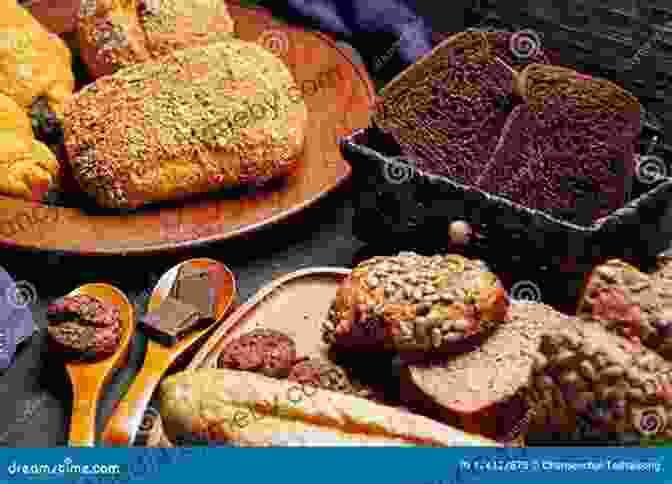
{"x": 89, "y": 377}
{"x": 126, "y": 421}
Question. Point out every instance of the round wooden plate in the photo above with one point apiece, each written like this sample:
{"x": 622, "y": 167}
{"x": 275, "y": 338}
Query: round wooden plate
{"x": 338, "y": 94}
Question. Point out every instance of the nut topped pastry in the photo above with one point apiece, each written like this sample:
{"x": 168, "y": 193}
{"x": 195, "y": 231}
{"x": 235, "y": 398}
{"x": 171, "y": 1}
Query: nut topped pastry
{"x": 113, "y": 33}
{"x": 587, "y": 372}
{"x": 411, "y": 302}
{"x": 635, "y": 305}
{"x": 213, "y": 117}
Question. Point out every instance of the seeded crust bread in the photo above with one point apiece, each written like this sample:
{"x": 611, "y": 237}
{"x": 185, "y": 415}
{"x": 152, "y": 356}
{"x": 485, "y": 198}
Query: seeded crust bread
{"x": 586, "y": 371}
{"x": 216, "y": 116}
{"x": 248, "y": 409}
{"x": 117, "y": 33}
{"x": 480, "y": 390}
{"x": 28, "y": 169}
{"x": 414, "y": 303}
{"x": 630, "y": 303}
{"x": 570, "y": 149}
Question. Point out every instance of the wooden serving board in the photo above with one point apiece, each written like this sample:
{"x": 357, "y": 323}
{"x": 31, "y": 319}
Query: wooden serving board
{"x": 338, "y": 94}
{"x": 295, "y": 304}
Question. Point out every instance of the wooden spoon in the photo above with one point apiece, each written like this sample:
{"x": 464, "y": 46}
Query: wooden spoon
{"x": 89, "y": 378}
{"x": 124, "y": 424}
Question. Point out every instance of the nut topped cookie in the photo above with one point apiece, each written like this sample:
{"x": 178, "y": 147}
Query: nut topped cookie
{"x": 411, "y": 302}
{"x": 633, "y": 304}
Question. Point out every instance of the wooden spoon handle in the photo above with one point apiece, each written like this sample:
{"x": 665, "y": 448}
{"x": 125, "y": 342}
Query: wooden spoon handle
{"x": 83, "y": 420}
{"x": 122, "y": 427}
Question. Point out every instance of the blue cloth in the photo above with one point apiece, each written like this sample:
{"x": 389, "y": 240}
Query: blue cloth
{"x": 387, "y": 33}
{"x": 16, "y": 318}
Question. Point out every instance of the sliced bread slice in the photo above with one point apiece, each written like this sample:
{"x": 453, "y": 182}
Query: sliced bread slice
{"x": 569, "y": 150}
{"x": 446, "y": 111}
{"x": 481, "y": 389}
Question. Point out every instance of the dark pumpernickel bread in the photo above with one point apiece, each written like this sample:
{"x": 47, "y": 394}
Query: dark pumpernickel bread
{"x": 265, "y": 351}
{"x": 632, "y": 304}
{"x": 447, "y": 110}
{"x": 589, "y": 373}
{"x": 570, "y": 149}
{"x": 480, "y": 390}
{"x": 415, "y": 303}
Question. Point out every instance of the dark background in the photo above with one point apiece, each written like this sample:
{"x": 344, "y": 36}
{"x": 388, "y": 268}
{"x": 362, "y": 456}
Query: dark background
{"x": 35, "y": 395}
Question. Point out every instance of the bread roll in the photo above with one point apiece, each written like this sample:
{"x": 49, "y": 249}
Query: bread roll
{"x": 248, "y": 409}
{"x": 214, "y": 117}
{"x": 411, "y": 302}
{"x": 117, "y": 33}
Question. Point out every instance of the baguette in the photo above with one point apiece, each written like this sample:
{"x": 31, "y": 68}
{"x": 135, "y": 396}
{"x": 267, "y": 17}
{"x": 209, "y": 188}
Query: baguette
{"x": 248, "y": 409}
{"x": 217, "y": 116}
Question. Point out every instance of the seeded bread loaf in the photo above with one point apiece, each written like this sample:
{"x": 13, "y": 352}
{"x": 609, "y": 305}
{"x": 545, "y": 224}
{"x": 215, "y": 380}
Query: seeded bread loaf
{"x": 630, "y": 303}
{"x": 216, "y": 116}
{"x": 248, "y": 409}
{"x": 587, "y": 372}
{"x": 480, "y": 389}
{"x": 117, "y": 33}
{"x": 413, "y": 303}
{"x": 569, "y": 150}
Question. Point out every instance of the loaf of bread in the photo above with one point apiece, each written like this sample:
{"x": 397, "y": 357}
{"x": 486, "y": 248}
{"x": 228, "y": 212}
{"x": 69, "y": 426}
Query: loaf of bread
{"x": 216, "y": 116}
{"x": 116, "y": 33}
{"x": 569, "y": 150}
{"x": 588, "y": 372}
{"x": 630, "y": 303}
{"x": 249, "y": 409}
{"x": 446, "y": 111}
{"x": 479, "y": 390}
{"x": 28, "y": 169}
{"x": 411, "y": 302}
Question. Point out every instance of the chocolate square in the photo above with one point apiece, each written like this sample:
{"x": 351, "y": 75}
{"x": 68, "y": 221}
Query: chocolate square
{"x": 193, "y": 286}
{"x": 171, "y": 321}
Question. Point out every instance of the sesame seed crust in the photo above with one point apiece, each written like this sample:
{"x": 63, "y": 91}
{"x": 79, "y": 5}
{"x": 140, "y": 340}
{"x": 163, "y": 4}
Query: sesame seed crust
{"x": 212, "y": 117}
